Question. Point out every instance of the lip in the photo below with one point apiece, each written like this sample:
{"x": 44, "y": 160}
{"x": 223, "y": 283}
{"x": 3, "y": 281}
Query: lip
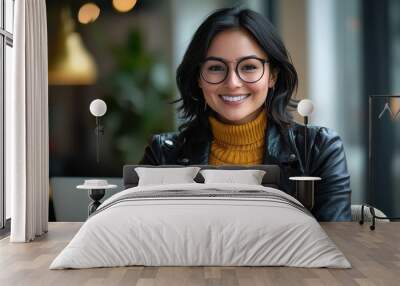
{"x": 234, "y": 103}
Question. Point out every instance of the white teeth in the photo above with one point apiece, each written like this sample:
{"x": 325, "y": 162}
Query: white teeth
{"x": 234, "y": 98}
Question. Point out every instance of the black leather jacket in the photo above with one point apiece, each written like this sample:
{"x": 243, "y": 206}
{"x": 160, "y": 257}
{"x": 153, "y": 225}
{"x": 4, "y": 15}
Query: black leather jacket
{"x": 326, "y": 159}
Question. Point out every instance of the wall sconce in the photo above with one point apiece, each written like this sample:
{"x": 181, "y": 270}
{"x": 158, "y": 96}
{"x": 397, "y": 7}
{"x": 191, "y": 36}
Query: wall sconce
{"x": 305, "y": 185}
{"x": 305, "y": 108}
{"x": 98, "y": 108}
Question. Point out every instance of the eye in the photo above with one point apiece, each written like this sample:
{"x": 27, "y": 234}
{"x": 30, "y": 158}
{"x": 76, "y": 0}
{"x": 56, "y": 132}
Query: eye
{"x": 248, "y": 68}
{"x": 216, "y": 68}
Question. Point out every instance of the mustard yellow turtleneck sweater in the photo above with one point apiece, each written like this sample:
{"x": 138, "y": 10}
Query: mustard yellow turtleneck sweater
{"x": 238, "y": 144}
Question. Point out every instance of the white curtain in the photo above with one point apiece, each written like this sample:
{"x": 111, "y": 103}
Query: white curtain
{"x": 27, "y": 124}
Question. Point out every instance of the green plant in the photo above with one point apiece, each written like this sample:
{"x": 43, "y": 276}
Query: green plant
{"x": 138, "y": 95}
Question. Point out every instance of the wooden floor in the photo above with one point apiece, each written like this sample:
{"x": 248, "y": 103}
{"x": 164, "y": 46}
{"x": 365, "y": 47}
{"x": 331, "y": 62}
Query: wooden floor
{"x": 374, "y": 255}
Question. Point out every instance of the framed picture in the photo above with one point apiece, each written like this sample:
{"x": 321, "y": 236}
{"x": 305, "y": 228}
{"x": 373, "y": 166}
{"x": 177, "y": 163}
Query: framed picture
{"x": 384, "y": 153}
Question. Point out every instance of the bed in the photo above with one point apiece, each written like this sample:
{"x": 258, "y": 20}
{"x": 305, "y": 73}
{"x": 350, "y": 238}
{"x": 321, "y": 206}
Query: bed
{"x": 201, "y": 222}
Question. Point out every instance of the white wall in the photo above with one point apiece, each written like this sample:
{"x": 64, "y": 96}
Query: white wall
{"x": 322, "y": 62}
{"x": 334, "y": 63}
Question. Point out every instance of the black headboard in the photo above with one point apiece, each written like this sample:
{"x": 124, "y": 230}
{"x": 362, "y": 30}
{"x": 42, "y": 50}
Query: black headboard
{"x": 270, "y": 179}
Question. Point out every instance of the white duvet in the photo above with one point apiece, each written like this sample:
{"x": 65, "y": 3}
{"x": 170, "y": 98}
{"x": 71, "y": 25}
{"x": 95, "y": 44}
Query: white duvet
{"x": 207, "y": 230}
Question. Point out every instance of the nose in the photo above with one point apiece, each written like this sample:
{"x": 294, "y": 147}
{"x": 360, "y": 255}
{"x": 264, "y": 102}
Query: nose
{"x": 232, "y": 80}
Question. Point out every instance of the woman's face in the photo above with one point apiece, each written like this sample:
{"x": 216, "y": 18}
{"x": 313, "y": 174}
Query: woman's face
{"x": 234, "y": 100}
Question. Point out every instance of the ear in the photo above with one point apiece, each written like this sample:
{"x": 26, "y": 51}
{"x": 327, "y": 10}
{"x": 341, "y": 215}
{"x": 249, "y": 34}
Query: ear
{"x": 273, "y": 76}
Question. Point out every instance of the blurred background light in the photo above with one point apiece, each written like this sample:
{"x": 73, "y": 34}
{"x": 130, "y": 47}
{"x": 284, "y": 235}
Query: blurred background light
{"x": 124, "y": 5}
{"x": 88, "y": 13}
{"x": 72, "y": 64}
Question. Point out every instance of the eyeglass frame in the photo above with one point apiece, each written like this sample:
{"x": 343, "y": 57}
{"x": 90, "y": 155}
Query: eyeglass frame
{"x": 263, "y": 61}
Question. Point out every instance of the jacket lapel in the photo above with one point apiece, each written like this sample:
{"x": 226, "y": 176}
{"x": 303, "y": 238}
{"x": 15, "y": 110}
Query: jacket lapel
{"x": 196, "y": 149}
{"x": 278, "y": 150}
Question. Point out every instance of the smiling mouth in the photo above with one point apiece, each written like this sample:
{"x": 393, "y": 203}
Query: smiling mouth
{"x": 236, "y": 98}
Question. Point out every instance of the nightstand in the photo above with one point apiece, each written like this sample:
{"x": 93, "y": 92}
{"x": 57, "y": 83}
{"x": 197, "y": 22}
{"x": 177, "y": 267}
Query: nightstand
{"x": 305, "y": 190}
{"x": 96, "y": 191}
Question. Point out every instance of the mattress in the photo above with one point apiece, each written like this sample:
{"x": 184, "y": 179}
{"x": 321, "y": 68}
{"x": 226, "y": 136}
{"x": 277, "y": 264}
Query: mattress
{"x": 201, "y": 225}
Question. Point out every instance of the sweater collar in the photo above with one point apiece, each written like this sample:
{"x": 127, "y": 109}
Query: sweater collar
{"x": 240, "y": 134}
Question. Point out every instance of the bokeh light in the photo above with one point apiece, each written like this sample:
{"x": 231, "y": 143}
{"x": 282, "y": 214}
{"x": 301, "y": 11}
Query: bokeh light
{"x": 88, "y": 13}
{"x": 124, "y": 5}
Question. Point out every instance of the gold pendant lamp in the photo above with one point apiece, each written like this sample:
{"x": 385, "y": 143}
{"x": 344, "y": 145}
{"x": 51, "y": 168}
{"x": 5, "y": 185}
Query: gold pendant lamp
{"x": 70, "y": 62}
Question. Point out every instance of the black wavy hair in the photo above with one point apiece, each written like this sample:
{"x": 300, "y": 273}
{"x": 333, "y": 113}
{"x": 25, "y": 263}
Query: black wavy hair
{"x": 188, "y": 72}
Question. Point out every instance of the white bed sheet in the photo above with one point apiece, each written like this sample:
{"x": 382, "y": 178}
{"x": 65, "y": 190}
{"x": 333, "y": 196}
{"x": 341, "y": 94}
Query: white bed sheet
{"x": 191, "y": 231}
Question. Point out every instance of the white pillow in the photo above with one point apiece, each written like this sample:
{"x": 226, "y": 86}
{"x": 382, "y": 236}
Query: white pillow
{"x": 163, "y": 176}
{"x": 248, "y": 177}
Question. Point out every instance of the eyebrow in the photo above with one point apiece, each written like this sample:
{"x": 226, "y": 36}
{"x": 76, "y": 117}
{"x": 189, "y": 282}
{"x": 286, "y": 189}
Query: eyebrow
{"x": 238, "y": 59}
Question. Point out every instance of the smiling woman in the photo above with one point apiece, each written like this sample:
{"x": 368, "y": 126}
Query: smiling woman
{"x": 236, "y": 82}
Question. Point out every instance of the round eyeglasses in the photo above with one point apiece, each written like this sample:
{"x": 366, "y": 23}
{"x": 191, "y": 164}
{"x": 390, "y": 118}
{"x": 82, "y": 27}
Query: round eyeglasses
{"x": 216, "y": 70}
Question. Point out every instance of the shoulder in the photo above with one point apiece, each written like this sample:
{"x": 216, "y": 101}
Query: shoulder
{"x": 162, "y": 149}
{"x": 328, "y": 139}
{"x": 169, "y": 140}
{"x": 326, "y": 150}
{"x": 318, "y": 134}
{"x": 324, "y": 143}
{"x": 188, "y": 145}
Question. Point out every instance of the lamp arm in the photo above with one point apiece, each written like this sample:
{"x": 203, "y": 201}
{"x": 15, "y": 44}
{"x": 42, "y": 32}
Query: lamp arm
{"x": 305, "y": 145}
{"x": 98, "y": 139}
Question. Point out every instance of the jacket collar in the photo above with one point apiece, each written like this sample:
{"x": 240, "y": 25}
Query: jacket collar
{"x": 277, "y": 148}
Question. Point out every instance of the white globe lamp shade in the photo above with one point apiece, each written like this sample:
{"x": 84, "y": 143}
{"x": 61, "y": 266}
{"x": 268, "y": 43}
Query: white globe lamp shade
{"x": 305, "y": 107}
{"x": 98, "y": 107}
